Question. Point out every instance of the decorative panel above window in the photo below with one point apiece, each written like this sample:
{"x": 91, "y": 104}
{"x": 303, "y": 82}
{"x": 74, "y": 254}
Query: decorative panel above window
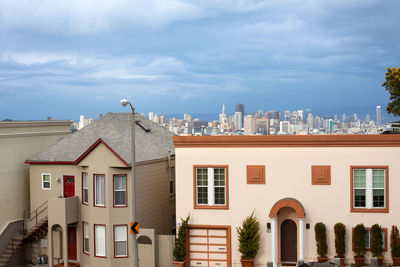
{"x": 255, "y": 174}
{"x": 321, "y": 175}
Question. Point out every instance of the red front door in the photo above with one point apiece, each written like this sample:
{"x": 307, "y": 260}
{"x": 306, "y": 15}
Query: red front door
{"x": 72, "y": 243}
{"x": 69, "y": 186}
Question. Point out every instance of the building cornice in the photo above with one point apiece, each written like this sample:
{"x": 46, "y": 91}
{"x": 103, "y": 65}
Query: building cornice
{"x": 17, "y": 124}
{"x": 389, "y": 140}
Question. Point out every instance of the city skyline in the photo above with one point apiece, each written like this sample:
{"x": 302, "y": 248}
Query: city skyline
{"x": 63, "y": 59}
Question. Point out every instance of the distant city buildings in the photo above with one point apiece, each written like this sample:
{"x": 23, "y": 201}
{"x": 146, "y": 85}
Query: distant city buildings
{"x": 273, "y": 122}
{"x": 83, "y": 121}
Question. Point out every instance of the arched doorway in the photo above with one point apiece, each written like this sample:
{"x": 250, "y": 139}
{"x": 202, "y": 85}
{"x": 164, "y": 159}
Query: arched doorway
{"x": 287, "y": 232}
{"x": 288, "y": 242}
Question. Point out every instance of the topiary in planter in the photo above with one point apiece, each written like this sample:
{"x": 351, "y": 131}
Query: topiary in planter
{"x": 340, "y": 239}
{"x": 359, "y": 240}
{"x": 320, "y": 238}
{"x": 395, "y": 245}
{"x": 179, "y": 252}
{"x": 249, "y": 237}
{"x": 376, "y": 240}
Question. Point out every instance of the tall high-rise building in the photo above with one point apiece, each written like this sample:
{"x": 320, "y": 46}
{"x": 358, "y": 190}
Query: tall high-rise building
{"x": 238, "y": 120}
{"x": 330, "y": 125}
{"x": 344, "y": 117}
{"x": 378, "y": 116}
{"x": 249, "y": 124}
{"x": 240, "y": 108}
{"x": 223, "y": 120}
{"x": 367, "y": 118}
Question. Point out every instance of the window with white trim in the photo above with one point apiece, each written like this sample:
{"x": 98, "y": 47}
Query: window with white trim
{"x": 85, "y": 188}
{"x": 99, "y": 190}
{"x": 120, "y": 190}
{"x": 85, "y": 237}
{"x": 46, "y": 181}
{"x": 211, "y": 186}
{"x": 369, "y": 188}
{"x": 100, "y": 240}
{"x": 120, "y": 240}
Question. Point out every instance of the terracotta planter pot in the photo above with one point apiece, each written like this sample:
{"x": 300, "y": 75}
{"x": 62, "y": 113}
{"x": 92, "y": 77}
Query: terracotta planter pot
{"x": 178, "y": 263}
{"x": 380, "y": 261}
{"x": 396, "y": 261}
{"x": 359, "y": 261}
{"x": 320, "y": 259}
{"x": 247, "y": 263}
{"x": 342, "y": 261}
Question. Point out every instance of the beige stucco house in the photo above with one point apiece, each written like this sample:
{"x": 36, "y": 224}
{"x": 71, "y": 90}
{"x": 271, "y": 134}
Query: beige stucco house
{"x": 20, "y": 140}
{"x": 291, "y": 182}
{"x": 81, "y": 186}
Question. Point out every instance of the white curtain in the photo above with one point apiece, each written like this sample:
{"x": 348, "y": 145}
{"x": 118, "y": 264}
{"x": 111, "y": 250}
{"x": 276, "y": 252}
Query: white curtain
{"x": 120, "y": 190}
{"x": 100, "y": 236}
{"x": 99, "y": 190}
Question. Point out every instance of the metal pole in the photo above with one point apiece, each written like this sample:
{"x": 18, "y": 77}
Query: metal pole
{"x": 135, "y": 245}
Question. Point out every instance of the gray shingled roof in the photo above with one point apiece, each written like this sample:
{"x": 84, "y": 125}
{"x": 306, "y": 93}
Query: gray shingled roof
{"x": 114, "y": 130}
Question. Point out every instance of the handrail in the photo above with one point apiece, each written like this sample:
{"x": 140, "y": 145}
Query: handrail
{"x": 35, "y": 211}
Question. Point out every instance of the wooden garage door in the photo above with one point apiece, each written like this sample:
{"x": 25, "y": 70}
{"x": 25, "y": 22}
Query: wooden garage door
{"x": 209, "y": 247}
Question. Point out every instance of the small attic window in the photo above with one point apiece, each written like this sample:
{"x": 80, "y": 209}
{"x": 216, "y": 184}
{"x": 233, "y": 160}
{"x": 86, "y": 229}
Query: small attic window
{"x": 143, "y": 126}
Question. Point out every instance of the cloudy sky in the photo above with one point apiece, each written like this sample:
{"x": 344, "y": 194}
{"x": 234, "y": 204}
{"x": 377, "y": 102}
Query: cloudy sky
{"x": 63, "y": 58}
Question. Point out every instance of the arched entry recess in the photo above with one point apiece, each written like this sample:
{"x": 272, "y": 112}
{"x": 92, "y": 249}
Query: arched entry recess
{"x": 298, "y": 209}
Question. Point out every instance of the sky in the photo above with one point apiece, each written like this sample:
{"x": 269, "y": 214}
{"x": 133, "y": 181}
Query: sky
{"x": 64, "y": 58}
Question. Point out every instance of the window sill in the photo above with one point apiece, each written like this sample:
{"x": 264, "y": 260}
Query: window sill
{"x": 374, "y": 210}
{"x": 225, "y": 207}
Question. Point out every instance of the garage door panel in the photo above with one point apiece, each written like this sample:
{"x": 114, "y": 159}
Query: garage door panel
{"x": 198, "y": 263}
{"x": 218, "y": 264}
{"x": 202, "y": 232}
{"x": 198, "y": 248}
{"x": 218, "y": 248}
{"x": 219, "y": 240}
{"x": 196, "y": 255}
{"x": 198, "y": 240}
{"x": 217, "y": 256}
{"x": 215, "y": 232}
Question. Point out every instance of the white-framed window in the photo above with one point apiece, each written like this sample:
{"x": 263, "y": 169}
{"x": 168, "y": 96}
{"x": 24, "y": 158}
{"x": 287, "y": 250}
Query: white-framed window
{"x": 46, "y": 181}
{"x": 120, "y": 195}
{"x": 120, "y": 240}
{"x": 99, "y": 199}
{"x": 100, "y": 240}
{"x": 369, "y": 188}
{"x": 211, "y": 186}
{"x": 85, "y": 188}
{"x": 172, "y": 181}
{"x": 85, "y": 237}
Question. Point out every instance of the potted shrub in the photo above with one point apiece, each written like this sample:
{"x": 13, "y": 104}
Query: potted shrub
{"x": 320, "y": 238}
{"x": 249, "y": 240}
{"x": 377, "y": 243}
{"x": 395, "y": 245}
{"x": 340, "y": 241}
{"x": 179, "y": 252}
{"x": 359, "y": 244}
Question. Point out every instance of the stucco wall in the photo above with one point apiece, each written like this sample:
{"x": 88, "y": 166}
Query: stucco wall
{"x": 288, "y": 174}
{"x": 18, "y": 142}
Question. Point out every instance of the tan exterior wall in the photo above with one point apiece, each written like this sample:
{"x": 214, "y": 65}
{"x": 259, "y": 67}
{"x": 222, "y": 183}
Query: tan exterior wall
{"x": 288, "y": 174}
{"x": 155, "y": 208}
{"x": 18, "y": 142}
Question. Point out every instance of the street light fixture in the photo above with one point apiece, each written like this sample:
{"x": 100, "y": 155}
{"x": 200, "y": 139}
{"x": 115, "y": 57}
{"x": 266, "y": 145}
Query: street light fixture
{"x": 125, "y": 102}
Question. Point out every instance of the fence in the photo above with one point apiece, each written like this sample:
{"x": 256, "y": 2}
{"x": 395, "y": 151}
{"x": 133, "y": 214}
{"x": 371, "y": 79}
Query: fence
{"x": 155, "y": 250}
